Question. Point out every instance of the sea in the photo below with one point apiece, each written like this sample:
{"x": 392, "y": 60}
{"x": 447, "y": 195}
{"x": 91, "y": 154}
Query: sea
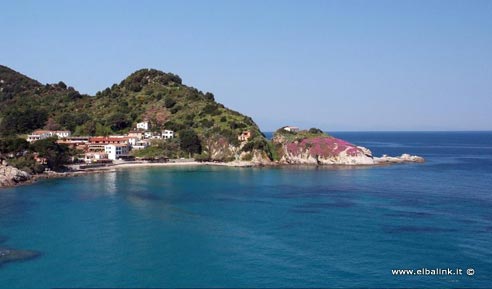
{"x": 282, "y": 227}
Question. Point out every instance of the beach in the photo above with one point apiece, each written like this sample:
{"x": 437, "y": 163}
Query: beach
{"x": 74, "y": 172}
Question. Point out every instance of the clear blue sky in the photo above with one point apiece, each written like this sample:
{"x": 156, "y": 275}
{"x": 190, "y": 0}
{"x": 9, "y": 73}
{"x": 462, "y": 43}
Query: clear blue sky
{"x": 337, "y": 65}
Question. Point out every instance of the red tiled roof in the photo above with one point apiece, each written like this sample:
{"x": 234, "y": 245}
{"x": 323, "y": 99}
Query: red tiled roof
{"x": 107, "y": 139}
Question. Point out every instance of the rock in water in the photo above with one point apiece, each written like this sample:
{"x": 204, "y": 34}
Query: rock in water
{"x": 404, "y": 158}
{"x": 12, "y": 255}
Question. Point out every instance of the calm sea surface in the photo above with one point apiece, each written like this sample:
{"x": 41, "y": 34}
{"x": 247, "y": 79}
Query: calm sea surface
{"x": 263, "y": 227}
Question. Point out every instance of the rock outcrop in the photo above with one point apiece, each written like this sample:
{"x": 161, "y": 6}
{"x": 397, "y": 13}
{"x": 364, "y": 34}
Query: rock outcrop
{"x": 307, "y": 148}
{"x": 8, "y": 255}
{"x": 404, "y": 158}
{"x": 319, "y": 149}
{"x": 10, "y": 176}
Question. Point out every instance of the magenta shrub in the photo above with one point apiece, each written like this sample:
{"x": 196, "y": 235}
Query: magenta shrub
{"x": 322, "y": 146}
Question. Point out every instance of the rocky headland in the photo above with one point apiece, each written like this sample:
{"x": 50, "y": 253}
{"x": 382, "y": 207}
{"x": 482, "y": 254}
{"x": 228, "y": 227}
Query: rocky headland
{"x": 314, "y": 147}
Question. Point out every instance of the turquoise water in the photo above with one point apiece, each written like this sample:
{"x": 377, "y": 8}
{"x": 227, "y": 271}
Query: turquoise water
{"x": 263, "y": 227}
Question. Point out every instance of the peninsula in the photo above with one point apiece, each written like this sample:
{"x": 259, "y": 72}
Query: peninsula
{"x": 150, "y": 117}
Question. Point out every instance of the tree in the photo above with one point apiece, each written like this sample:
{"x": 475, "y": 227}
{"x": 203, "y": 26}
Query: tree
{"x": 88, "y": 128}
{"x": 315, "y": 131}
{"x": 118, "y": 121}
{"x": 71, "y": 120}
{"x": 61, "y": 84}
{"x": 56, "y": 154}
{"x": 13, "y": 145}
{"x": 190, "y": 141}
{"x": 22, "y": 121}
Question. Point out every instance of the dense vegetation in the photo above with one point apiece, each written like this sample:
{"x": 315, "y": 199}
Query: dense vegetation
{"x": 292, "y": 136}
{"x": 147, "y": 94}
{"x": 23, "y": 155}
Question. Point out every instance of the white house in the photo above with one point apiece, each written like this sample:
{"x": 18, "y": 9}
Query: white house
{"x": 291, "y": 128}
{"x": 115, "y": 151}
{"x": 167, "y": 134}
{"x": 132, "y": 140}
{"x": 61, "y": 133}
{"x": 143, "y": 125}
{"x": 37, "y": 135}
{"x": 42, "y": 134}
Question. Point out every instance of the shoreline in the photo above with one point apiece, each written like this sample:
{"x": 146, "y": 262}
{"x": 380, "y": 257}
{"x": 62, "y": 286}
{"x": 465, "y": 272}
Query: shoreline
{"x": 381, "y": 161}
{"x": 115, "y": 167}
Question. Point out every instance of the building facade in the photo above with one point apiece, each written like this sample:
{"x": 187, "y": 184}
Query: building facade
{"x": 143, "y": 125}
{"x": 167, "y": 134}
{"x": 115, "y": 151}
{"x": 43, "y": 134}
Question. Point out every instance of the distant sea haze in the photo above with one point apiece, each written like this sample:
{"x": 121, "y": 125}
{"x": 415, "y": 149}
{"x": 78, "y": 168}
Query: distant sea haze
{"x": 264, "y": 227}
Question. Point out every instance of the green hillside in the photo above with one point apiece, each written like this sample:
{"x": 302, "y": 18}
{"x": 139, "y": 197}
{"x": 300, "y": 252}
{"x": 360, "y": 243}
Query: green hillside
{"x": 146, "y": 94}
{"x": 26, "y": 104}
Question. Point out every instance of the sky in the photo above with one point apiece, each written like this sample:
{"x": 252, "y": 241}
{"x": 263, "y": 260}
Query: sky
{"x": 336, "y": 65}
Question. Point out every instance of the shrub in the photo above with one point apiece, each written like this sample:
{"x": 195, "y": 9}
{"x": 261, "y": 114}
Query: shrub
{"x": 190, "y": 142}
{"x": 56, "y": 154}
{"x": 203, "y": 157}
{"x": 207, "y": 123}
{"x": 27, "y": 164}
{"x": 118, "y": 121}
{"x": 13, "y": 145}
{"x": 211, "y": 109}
{"x": 22, "y": 121}
{"x": 169, "y": 102}
{"x": 237, "y": 125}
{"x": 247, "y": 157}
{"x": 256, "y": 144}
{"x": 176, "y": 109}
{"x": 315, "y": 131}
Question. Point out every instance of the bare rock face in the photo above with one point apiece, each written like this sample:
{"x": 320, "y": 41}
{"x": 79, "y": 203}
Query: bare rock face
{"x": 321, "y": 150}
{"x": 404, "y": 158}
{"x": 10, "y": 176}
{"x": 255, "y": 157}
{"x": 219, "y": 149}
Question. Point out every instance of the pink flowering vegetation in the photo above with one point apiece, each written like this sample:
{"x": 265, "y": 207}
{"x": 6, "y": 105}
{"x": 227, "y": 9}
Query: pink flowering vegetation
{"x": 322, "y": 146}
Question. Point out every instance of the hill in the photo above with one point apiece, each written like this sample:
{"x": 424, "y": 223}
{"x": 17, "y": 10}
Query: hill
{"x": 147, "y": 94}
{"x": 26, "y": 104}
